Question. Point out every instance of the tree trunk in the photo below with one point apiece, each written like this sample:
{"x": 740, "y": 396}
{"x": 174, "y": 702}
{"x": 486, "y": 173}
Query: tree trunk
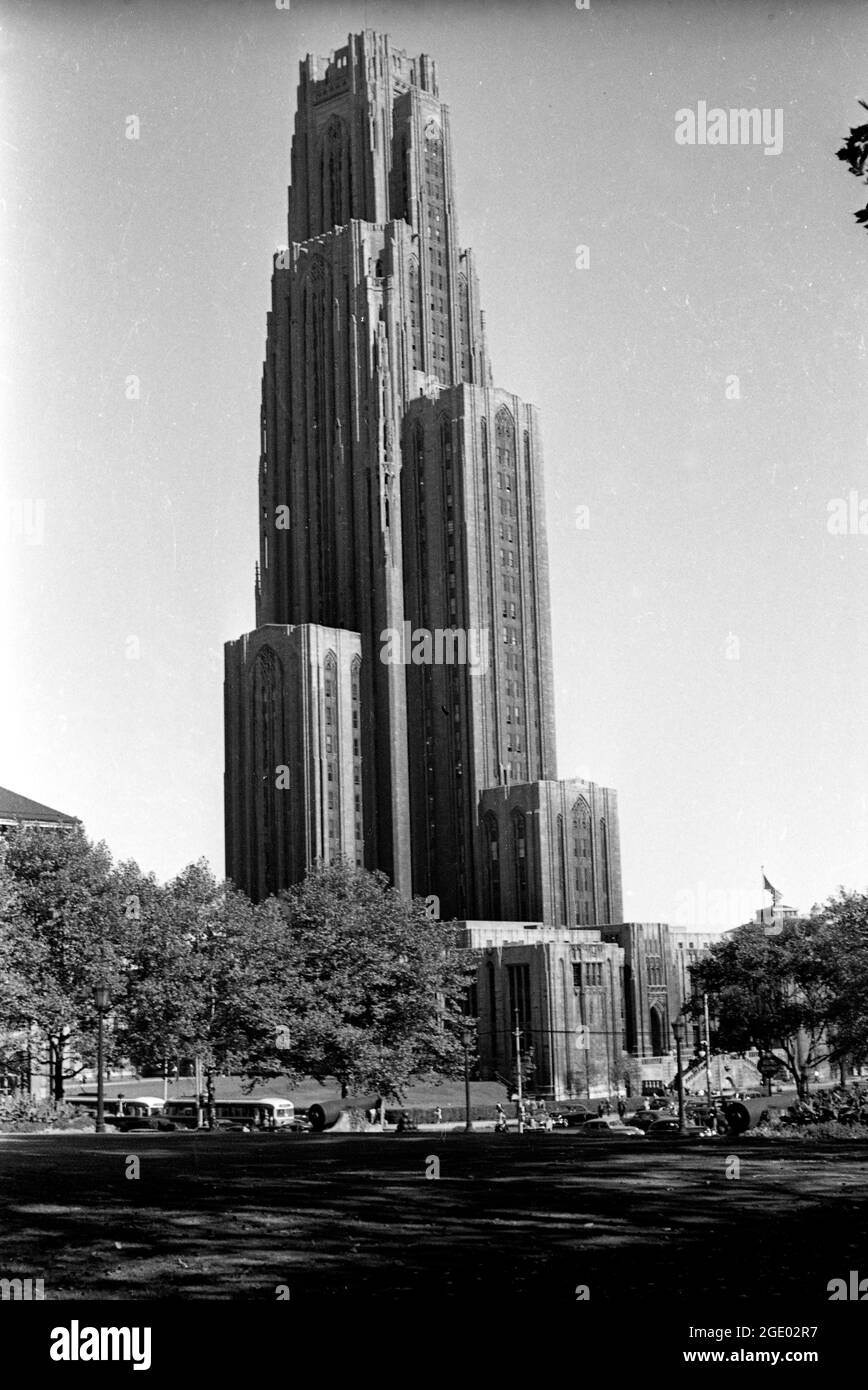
{"x": 57, "y": 1068}
{"x": 209, "y": 1091}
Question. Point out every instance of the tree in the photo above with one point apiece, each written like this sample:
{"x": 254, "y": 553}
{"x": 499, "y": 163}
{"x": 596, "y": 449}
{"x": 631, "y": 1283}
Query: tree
{"x": 205, "y": 979}
{"x": 773, "y": 992}
{"x": 379, "y": 988}
{"x": 855, "y": 152}
{"x": 62, "y": 937}
{"x": 842, "y": 933}
{"x": 14, "y": 967}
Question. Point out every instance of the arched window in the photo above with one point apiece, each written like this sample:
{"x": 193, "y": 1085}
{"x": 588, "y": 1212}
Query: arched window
{"x": 332, "y": 808}
{"x": 464, "y": 327}
{"x": 335, "y": 175}
{"x": 504, "y": 431}
{"x": 562, "y": 872}
{"x": 582, "y": 862}
{"x": 433, "y": 199}
{"x": 493, "y": 864}
{"x": 519, "y": 860}
{"x": 504, "y": 501}
{"x": 656, "y": 1021}
{"x": 267, "y": 700}
{"x": 449, "y": 487}
{"x": 416, "y": 316}
{"x": 356, "y": 695}
{"x": 317, "y": 326}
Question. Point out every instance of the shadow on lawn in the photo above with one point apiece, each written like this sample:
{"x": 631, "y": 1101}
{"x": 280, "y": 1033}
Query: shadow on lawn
{"x": 238, "y": 1216}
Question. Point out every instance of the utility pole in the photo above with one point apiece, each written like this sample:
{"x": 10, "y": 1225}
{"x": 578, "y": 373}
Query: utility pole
{"x": 707, "y": 1048}
{"x": 678, "y": 1029}
{"x": 518, "y": 1074}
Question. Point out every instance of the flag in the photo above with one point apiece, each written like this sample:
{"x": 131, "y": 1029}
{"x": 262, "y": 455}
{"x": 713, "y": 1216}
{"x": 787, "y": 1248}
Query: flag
{"x": 776, "y": 896}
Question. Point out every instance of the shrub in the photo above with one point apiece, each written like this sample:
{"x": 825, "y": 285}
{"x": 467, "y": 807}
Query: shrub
{"x": 832, "y": 1130}
{"x": 23, "y": 1112}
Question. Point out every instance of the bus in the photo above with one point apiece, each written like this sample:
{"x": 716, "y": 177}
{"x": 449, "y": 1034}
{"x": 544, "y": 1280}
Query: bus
{"x": 244, "y": 1113}
{"x": 119, "y": 1112}
{"x": 140, "y": 1112}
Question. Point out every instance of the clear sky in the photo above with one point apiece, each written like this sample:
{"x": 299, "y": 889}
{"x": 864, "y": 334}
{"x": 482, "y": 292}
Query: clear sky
{"x": 710, "y": 634}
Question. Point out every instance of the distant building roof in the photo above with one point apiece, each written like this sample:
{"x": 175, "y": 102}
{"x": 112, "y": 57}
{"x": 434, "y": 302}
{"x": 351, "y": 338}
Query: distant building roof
{"x": 20, "y": 810}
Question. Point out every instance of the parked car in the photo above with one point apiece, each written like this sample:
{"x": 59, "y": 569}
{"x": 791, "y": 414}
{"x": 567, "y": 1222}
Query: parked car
{"x": 670, "y": 1129}
{"x": 568, "y": 1119}
{"x": 609, "y": 1129}
{"x": 644, "y": 1119}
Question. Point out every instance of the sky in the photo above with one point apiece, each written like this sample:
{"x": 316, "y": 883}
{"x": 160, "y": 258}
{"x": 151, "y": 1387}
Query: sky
{"x": 700, "y": 372}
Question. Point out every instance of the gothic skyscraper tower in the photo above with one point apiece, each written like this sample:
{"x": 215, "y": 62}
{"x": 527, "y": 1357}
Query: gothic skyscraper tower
{"x": 400, "y": 493}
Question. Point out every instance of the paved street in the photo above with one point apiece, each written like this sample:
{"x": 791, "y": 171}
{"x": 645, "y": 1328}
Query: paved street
{"x": 235, "y": 1216}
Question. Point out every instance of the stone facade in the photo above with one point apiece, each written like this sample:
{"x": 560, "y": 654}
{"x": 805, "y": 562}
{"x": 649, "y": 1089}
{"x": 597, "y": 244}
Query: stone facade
{"x": 657, "y": 961}
{"x": 477, "y": 563}
{"x": 551, "y": 851}
{"x": 400, "y": 672}
{"x": 595, "y": 1005}
{"x": 293, "y": 784}
{"x": 563, "y": 987}
{"x": 400, "y": 493}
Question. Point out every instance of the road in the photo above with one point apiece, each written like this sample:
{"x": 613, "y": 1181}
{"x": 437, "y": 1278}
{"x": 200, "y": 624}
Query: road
{"x": 243, "y": 1216}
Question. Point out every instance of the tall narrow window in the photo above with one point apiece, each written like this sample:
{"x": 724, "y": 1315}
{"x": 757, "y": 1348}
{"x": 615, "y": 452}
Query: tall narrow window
{"x": 519, "y": 999}
{"x": 605, "y": 909}
{"x": 519, "y": 852}
{"x": 330, "y": 702}
{"x": 491, "y": 837}
{"x": 582, "y": 862}
{"x": 356, "y": 696}
{"x": 268, "y": 748}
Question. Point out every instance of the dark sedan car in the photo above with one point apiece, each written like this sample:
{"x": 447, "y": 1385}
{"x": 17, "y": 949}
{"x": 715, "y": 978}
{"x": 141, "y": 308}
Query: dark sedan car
{"x": 608, "y": 1129}
{"x": 670, "y": 1129}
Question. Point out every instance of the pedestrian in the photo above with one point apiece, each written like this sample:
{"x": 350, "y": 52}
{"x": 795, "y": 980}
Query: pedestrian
{"x": 500, "y": 1125}
{"x": 438, "y": 1115}
{"x": 622, "y": 1108}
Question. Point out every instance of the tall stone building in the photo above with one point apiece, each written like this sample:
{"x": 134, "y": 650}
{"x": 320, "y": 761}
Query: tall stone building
{"x": 294, "y": 697}
{"x": 403, "y": 570}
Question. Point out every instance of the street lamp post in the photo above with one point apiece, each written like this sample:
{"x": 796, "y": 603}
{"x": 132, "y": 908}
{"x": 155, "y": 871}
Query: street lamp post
{"x": 707, "y": 1048}
{"x": 678, "y": 1030}
{"x": 101, "y": 1000}
{"x": 520, "y": 1101}
{"x": 467, "y": 1038}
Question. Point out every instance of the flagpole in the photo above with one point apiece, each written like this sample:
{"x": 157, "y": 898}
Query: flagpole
{"x": 765, "y": 890}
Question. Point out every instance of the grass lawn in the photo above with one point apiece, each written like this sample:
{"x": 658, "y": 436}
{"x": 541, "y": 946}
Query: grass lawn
{"x": 371, "y": 1217}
